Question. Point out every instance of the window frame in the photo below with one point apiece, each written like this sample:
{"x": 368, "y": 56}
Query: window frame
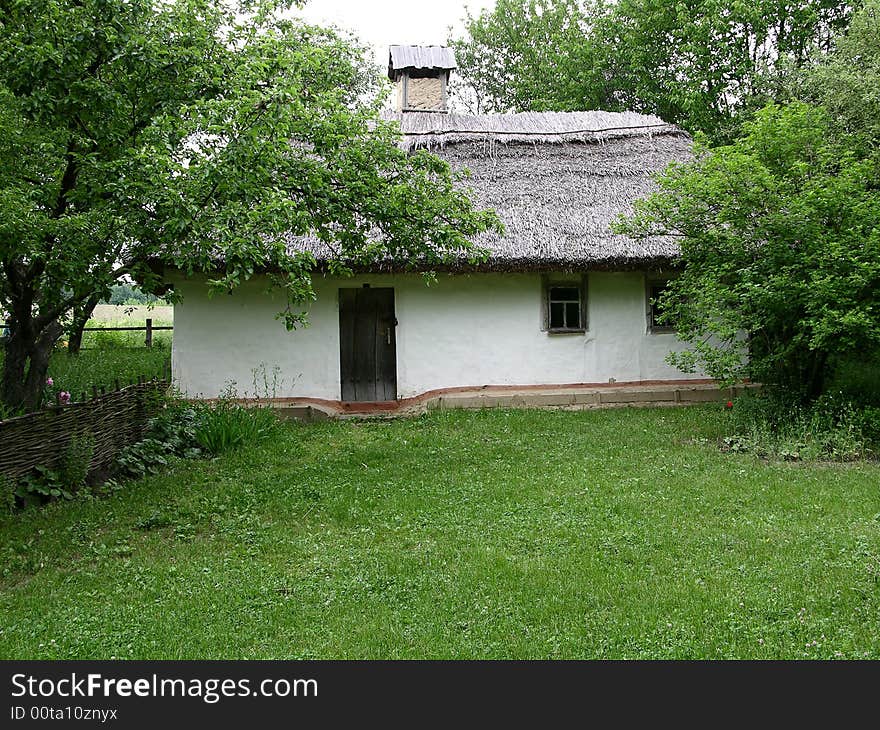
{"x": 651, "y": 283}
{"x": 562, "y": 282}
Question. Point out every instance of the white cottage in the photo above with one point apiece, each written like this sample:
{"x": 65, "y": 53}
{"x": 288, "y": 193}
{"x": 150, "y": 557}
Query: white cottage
{"x": 561, "y": 312}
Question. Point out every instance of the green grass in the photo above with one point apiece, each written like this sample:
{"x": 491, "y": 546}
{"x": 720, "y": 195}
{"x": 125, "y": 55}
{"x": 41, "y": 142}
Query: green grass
{"x": 125, "y": 339}
{"x": 78, "y": 373}
{"x": 618, "y": 533}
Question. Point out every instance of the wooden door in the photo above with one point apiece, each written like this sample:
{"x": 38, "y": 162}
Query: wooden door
{"x": 367, "y": 347}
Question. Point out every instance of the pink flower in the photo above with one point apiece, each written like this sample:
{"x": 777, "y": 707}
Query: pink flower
{"x": 50, "y": 382}
{"x": 729, "y": 404}
{"x": 64, "y": 397}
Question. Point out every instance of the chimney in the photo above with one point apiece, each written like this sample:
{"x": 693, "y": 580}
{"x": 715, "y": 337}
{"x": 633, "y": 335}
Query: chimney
{"x": 420, "y": 75}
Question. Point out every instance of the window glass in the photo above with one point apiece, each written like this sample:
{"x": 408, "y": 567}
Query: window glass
{"x": 557, "y": 315}
{"x": 565, "y": 308}
{"x": 565, "y": 294}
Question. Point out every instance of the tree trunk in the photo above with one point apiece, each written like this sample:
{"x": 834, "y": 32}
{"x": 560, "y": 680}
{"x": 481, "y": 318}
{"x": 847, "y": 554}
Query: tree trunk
{"x": 81, "y": 315}
{"x": 816, "y": 382}
{"x": 25, "y": 365}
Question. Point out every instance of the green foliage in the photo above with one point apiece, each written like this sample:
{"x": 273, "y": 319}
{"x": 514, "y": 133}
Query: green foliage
{"x": 7, "y": 495}
{"x": 847, "y": 82}
{"x": 125, "y": 293}
{"x": 115, "y": 340}
{"x": 75, "y": 462}
{"x": 147, "y": 456}
{"x": 119, "y": 148}
{"x": 47, "y": 484}
{"x": 186, "y": 431}
{"x": 170, "y": 435}
{"x": 103, "y": 367}
{"x": 77, "y": 374}
{"x": 64, "y": 481}
{"x": 857, "y": 378}
{"x": 530, "y": 56}
{"x": 869, "y": 424}
{"x": 779, "y": 234}
{"x": 780, "y": 243}
{"x": 703, "y": 65}
{"x": 226, "y": 425}
{"x": 42, "y": 486}
{"x": 778, "y": 425}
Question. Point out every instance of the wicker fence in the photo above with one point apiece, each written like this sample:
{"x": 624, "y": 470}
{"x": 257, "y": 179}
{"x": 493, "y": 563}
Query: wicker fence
{"x": 112, "y": 421}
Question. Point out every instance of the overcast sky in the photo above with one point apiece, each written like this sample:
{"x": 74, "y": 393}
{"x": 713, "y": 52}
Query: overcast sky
{"x": 381, "y": 23}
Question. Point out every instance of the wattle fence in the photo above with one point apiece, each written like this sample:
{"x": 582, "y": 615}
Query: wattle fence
{"x": 111, "y": 421}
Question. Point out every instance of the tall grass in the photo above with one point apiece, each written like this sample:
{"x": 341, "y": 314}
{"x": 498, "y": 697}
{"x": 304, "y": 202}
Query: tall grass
{"x": 111, "y": 340}
{"x": 776, "y": 425}
{"x": 78, "y": 374}
{"x": 225, "y": 425}
{"x": 102, "y": 367}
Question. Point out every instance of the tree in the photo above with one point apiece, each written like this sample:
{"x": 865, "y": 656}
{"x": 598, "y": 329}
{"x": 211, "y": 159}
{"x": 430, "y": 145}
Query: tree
{"x": 529, "y": 55}
{"x": 779, "y": 230}
{"x": 80, "y": 316}
{"x": 847, "y": 82}
{"x": 704, "y": 64}
{"x": 779, "y": 242}
{"x": 140, "y": 132}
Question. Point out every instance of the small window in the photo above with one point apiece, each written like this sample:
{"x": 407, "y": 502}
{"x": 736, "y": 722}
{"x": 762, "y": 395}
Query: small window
{"x": 656, "y": 310}
{"x": 565, "y": 308}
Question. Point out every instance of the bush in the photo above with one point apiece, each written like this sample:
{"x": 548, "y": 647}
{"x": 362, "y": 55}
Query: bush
{"x": 170, "y": 435}
{"x": 776, "y": 424}
{"x": 858, "y": 380}
{"x": 186, "y": 431}
{"x": 869, "y": 420}
{"x": 42, "y": 486}
{"x": 75, "y": 463}
{"x": 227, "y": 425}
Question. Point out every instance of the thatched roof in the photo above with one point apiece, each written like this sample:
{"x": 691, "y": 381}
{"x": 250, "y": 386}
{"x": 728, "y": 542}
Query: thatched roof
{"x": 557, "y": 180}
{"x": 426, "y": 129}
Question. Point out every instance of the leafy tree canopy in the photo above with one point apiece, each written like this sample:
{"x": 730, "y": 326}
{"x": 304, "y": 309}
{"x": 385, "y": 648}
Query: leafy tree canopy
{"x": 697, "y": 64}
{"x": 199, "y": 134}
{"x": 780, "y": 231}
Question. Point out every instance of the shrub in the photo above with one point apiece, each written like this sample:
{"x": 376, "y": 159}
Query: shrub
{"x": 171, "y": 434}
{"x": 776, "y": 424}
{"x": 42, "y": 486}
{"x": 858, "y": 380}
{"x": 75, "y": 463}
{"x": 869, "y": 420}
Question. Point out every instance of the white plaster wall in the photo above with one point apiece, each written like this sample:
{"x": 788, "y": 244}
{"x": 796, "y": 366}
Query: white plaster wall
{"x": 465, "y": 330}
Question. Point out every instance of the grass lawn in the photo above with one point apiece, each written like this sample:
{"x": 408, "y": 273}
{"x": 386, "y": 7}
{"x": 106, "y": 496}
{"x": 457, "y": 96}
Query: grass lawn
{"x": 491, "y": 534}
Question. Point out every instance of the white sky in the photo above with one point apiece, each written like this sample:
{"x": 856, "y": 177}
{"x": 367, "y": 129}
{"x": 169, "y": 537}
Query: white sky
{"x": 381, "y": 23}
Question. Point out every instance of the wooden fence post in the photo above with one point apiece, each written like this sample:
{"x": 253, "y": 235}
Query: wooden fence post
{"x": 149, "y": 339}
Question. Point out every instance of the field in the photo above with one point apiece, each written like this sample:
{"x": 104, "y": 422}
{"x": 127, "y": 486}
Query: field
{"x": 134, "y": 315}
{"x": 120, "y": 315}
{"x": 482, "y": 534}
